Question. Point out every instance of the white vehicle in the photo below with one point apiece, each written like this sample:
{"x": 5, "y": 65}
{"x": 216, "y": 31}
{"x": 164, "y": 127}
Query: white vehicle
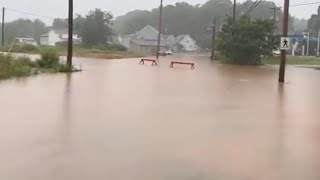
{"x": 276, "y": 52}
{"x": 31, "y": 41}
{"x": 168, "y": 52}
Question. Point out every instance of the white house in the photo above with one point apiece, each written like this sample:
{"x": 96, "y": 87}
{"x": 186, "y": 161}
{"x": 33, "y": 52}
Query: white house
{"x": 56, "y": 36}
{"x": 187, "y": 43}
{"x": 171, "y": 42}
{"x": 143, "y": 42}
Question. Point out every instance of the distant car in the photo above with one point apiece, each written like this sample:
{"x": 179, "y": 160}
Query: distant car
{"x": 168, "y": 52}
{"x": 276, "y": 52}
{"x": 165, "y": 53}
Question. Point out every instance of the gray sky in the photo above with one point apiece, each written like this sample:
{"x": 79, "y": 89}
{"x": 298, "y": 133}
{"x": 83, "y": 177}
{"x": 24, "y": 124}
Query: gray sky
{"x": 58, "y": 8}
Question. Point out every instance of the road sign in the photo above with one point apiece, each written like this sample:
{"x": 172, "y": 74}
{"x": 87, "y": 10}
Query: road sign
{"x": 285, "y": 43}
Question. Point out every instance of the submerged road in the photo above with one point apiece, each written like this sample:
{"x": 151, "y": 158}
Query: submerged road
{"x": 123, "y": 121}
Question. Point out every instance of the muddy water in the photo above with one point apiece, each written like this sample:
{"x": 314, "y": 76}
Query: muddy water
{"x": 123, "y": 121}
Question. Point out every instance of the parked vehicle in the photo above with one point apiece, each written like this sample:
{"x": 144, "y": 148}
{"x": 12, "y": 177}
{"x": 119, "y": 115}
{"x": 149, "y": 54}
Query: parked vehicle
{"x": 276, "y": 52}
{"x": 165, "y": 53}
{"x": 168, "y": 52}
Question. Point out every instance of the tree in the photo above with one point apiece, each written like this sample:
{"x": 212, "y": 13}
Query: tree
{"x": 95, "y": 28}
{"x": 314, "y": 23}
{"x": 39, "y": 28}
{"x": 300, "y": 25}
{"x": 24, "y": 28}
{"x": 183, "y": 18}
{"x": 246, "y": 40}
{"x": 59, "y": 23}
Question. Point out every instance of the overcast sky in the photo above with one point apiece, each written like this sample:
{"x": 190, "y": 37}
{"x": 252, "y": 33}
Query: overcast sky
{"x": 58, "y": 8}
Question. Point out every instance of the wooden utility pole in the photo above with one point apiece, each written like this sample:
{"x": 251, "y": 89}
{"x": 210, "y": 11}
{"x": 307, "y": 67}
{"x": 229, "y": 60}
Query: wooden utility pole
{"x": 213, "y": 41}
{"x": 284, "y": 34}
{"x": 275, "y": 9}
{"x": 2, "y": 34}
{"x": 234, "y": 9}
{"x": 160, "y": 27}
{"x": 70, "y": 34}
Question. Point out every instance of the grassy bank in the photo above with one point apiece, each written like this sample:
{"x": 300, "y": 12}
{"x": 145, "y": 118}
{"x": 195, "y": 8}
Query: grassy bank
{"x": 293, "y": 60}
{"x": 99, "y": 53}
{"x": 23, "y": 66}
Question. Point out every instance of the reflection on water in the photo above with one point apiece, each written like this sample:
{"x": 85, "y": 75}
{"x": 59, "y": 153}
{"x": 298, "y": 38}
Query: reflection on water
{"x": 121, "y": 120}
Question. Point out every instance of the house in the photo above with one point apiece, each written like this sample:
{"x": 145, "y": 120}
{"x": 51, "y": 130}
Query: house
{"x": 55, "y": 36}
{"x": 31, "y": 41}
{"x": 144, "y": 42}
{"x": 171, "y": 42}
{"x": 187, "y": 43}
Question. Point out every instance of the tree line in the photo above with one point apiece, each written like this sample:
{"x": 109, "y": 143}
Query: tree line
{"x": 184, "y": 18}
{"x": 94, "y": 28}
{"x": 98, "y": 26}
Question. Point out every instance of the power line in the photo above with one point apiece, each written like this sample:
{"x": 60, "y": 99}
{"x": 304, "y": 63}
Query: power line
{"x": 303, "y": 4}
{"x": 252, "y": 6}
{"x": 31, "y": 14}
{"x": 255, "y": 6}
{"x": 243, "y": 6}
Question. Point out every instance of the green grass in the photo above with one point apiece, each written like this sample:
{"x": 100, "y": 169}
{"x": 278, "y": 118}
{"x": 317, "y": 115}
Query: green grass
{"x": 293, "y": 60}
{"x": 77, "y": 51}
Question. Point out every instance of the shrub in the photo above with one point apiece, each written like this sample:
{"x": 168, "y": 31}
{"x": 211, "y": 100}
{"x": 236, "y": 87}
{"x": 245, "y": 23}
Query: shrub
{"x": 19, "y": 68}
{"x": 65, "y": 68}
{"x": 24, "y": 48}
{"x": 27, "y": 61}
{"x": 100, "y": 47}
{"x": 116, "y": 47}
{"x": 49, "y": 58}
{"x": 10, "y": 66}
{"x": 246, "y": 41}
{"x": 97, "y": 51}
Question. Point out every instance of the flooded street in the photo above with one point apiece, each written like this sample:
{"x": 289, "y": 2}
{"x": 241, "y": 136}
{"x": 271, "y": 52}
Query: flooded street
{"x": 119, "y": 120}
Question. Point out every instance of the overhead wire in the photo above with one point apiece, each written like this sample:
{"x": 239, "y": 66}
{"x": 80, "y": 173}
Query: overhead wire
{"x": 303, "y": 4}
{"x": 31, "y": 14}
{"x": 255, "y": 6}
{"x": 252, "y": 6}
{"x": 243, "y": 6}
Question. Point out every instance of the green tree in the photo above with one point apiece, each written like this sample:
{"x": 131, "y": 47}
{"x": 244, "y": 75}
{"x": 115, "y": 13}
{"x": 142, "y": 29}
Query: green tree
{"x": 59, "y": 23}
{"x": 314, "y": 23}
{"x": 246, "y": 40}
{"x": 39, "y": 28}
{"x": 24, "y": 28}
{"x": 183, "y": 18}
{"x": 95, "y": 28}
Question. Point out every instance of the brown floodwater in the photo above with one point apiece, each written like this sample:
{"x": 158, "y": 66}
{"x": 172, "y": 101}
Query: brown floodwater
{"x": 123, "y": 121}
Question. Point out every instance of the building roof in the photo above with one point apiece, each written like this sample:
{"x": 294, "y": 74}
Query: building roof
{"x": 142, "y": 42}
{"x": 147, "y": 33}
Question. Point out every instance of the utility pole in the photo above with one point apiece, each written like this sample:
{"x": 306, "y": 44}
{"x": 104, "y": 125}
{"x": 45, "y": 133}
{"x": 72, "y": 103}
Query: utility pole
{"x": 284, "y": 34}
{"x": 2, "y": 35}
{"x": 275, "y": 9}
{"x": 213, "y": 45}
{"x": 234, "y": 10}
{"x": 70, "y": 34}
{"x": 160, "y": 27}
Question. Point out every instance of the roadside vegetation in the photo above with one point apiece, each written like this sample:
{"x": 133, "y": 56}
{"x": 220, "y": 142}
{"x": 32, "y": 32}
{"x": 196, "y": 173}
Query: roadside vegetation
{"x": 23, "y": 66}
{"x": 101, "y": 52}
{"x": 293, "y": 60}
{"x": 275, "y": 60}
{"x": 246, "y": 41}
